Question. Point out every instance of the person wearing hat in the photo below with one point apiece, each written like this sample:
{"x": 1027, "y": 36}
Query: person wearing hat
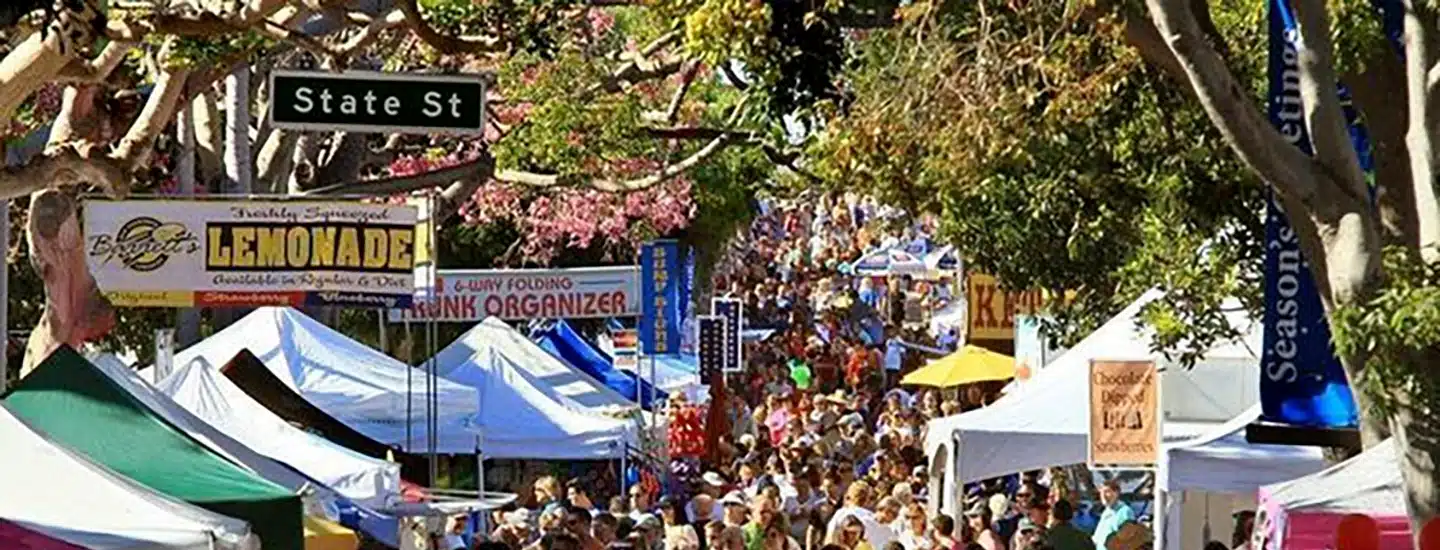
{"x": 651, "y": 532}
{"x": 979, "y": 517}
{"x": 735, "y": 509}
{"x": 699, "y": 511}
{"x": 1027, "y": 534}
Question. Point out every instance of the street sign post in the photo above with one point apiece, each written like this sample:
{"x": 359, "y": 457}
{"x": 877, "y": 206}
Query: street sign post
{"x": 363, "y": 101}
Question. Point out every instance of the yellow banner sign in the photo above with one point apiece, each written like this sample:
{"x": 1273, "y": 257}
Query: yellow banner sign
{"x": 1124, "y": 413}
{"x": 992, "y": 311}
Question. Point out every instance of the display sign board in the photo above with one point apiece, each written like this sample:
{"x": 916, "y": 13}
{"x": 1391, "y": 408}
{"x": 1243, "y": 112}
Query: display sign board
{"x": 661, "y": 306}
{"x": 471, "y": 295}
{"x": 1124, "y": 414}
{"x": 625, "y": 343}
{"x": 363, "y": 101}
{"x": 217, "y": 253}
{"x": 712, "y": 345}
{"x": 733, "y": 311}
{"x": 992, "y": 311}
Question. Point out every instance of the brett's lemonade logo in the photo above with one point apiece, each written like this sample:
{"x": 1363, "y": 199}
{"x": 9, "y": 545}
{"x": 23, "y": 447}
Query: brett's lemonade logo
{"x": 144, "y": 244}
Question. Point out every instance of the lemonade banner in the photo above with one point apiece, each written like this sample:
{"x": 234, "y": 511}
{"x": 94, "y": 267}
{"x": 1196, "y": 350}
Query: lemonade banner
{"x": 245, "y": 253}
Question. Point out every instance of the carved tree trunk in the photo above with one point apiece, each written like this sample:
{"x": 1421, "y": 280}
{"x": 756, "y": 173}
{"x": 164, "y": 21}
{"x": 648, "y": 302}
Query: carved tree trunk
{"x": 75, "y": 310}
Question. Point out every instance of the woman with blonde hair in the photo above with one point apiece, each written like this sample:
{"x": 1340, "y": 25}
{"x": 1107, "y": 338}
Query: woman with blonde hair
{"x": 547, "y": 492}
{"x": 912, "y": 530}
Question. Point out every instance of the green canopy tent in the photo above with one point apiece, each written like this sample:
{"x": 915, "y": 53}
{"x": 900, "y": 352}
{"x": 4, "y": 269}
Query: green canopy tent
{"x": 75, "y": 404}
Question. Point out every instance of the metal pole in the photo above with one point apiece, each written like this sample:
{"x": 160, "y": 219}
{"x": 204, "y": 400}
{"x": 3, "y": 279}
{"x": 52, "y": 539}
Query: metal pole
{"x": 5, "y": 303}
{"x": 433, "y": 338}
{"x": 409, "y": 387}
{"x": 384, "y": 337}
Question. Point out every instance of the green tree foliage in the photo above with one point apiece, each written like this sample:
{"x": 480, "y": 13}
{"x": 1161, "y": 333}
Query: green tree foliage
{"x": 1056, "y": 159}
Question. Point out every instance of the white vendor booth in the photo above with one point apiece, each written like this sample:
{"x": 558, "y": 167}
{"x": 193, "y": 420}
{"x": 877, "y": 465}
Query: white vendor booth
{"x": 1044, "y": 422}
{"x": 1207, "y": 478}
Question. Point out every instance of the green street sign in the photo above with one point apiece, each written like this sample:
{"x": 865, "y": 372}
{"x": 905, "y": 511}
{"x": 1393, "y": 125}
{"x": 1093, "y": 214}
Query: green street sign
{"x": 362, "y": 101}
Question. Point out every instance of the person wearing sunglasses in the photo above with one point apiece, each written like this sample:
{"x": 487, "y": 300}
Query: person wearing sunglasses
{"x": 851, "y": 535}
{"x": 912, "y": 531}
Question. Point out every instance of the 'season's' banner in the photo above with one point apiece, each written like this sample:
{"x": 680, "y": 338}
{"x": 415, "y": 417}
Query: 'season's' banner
{"x": 180, "y": 253}
{"x": 1301, "y": 381}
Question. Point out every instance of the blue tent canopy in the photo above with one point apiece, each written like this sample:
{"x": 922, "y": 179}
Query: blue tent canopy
{"x": 561, "y": 341}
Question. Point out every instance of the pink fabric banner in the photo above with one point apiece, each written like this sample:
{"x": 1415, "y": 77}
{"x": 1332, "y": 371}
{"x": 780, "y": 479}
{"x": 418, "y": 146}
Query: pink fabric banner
{"x": 15, "y": 537}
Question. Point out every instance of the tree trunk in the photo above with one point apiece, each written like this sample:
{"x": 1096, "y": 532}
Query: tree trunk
{"x": 75, "y": 310}
{"x": 237, "y": 159}
{"x": 1418, "y": 443}
{"x": 187, "y": 320}
{"x": 209, "y": 140}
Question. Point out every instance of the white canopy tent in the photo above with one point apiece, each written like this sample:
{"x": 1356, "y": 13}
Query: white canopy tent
{"x": 208, "y": 436}
{"x": 1303, "y": 513}
{"x": 1217, "y": 473}
{"x": 374, "y": 394}
{"x": 1044, "y": 423}
{"x": 467, "y": 360}
{"x": 205, "y": 392}
{"x": 61, "y": 494}
{"x": 530, "y": 400}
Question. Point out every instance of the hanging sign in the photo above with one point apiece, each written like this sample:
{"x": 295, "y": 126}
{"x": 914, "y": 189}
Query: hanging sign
{"x": 1301, "y": 381}
{"x": 246, "y": 253}
{"x": 472, "y": 295}
{"x": 733, "y": 311}
{"x": 712, "y": 345}
{"x": 1124, "y": 414}
{"x": 660, "y": 300}
{"x": 992, "y": 311}
{"x": 371, "y": 102}
{"x": 625, "y": 342}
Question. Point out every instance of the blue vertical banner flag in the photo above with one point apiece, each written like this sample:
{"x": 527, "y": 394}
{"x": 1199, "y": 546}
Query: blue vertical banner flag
{"x": 733, "y": 311}
{"x": 660, "y": 307}
{"x": 1301, "y": 381}
{"x": 688, "y": 325}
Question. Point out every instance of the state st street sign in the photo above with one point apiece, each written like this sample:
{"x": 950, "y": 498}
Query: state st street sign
{"x": 362, "y": 101}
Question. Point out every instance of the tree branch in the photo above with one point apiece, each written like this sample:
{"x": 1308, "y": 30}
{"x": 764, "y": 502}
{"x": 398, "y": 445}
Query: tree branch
{"x": 610, "y": 186}
{"x": 638, "y": 68}
{"x": 1228, "y": 104}
{"x": 1329, "y": 133}
{"x": 478, "y": 168}
{"x": 134, "y": 148}
{"x": 687, "y": 76}
{"x": 98, "y": 69}
{"x": 1424, "y": 105}
{"x": 695, "y": 132}
{"x": 64, "y": 168}
{"x": 441, "y": 42}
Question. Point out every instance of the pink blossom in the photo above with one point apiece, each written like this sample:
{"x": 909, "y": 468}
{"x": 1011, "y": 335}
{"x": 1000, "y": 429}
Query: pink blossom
{"x": 601, "y": 21}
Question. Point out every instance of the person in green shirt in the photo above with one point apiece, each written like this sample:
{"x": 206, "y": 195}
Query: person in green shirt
{"x": 763, "y": 510}
{"x": 1116, "y": 513}
{"x": 1061, "y": 534}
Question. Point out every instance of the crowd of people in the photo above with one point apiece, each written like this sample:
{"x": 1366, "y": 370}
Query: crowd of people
{"x": 825, "y": 450}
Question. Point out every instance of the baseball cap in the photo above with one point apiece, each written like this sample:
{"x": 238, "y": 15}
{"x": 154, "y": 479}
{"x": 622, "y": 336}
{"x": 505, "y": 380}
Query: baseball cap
{"x": 733, "y": 499}
{"x": 713, "y": 479}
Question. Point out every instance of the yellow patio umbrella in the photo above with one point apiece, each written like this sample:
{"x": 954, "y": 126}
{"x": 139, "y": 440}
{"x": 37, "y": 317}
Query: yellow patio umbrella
{"x": 970, "y": 364}
{"x": 326, "y": 535}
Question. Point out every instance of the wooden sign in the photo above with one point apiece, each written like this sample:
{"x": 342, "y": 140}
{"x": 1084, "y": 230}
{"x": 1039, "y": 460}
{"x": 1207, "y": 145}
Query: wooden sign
{"x": 1124, "y": 414}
